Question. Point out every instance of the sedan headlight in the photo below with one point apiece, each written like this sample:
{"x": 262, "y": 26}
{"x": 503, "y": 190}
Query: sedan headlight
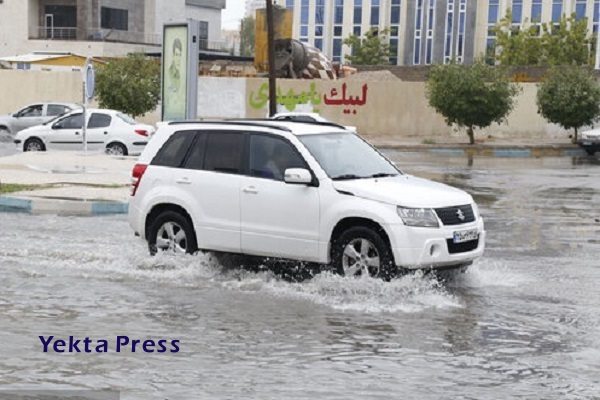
{"x": 424, "y": 217}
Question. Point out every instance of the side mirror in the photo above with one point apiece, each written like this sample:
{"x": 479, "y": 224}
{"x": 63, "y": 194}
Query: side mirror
{"x": 297, "y": 176}
{"x": 15, "y": 115}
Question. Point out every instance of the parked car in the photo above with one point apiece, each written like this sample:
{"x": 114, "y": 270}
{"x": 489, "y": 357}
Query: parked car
{"x": 305, "y": 117}
{"x": 590, "y": 141}
{"x": 34, "y": 114}
{"x": 108, "y": 130}
{"x": 297, "y": 191}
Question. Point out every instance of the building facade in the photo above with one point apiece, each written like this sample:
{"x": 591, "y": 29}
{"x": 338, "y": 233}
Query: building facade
{"x": 423, "y": 32}
{"x": 100, "y": 28}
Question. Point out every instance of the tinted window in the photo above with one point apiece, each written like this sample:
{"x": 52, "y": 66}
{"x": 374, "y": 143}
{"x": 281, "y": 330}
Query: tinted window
{"x": 174, "y": 150}
{"x": 99, "y": 121}
{"x": 270, "y": 157}
{"x": 223, "y": 152}
{"x": 56, "y": 109}
{"x": 196, "y": 158}
{"x": 74, "y": 121}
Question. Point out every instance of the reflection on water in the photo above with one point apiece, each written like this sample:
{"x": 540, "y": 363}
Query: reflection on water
{"x": 520, "y": 323}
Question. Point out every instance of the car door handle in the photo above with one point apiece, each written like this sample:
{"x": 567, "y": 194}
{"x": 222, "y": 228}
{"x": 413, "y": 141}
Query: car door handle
{"x": 77, "y": 133}
{"x": 184, "y": 181}
{"x": 106, "y": 133}
{"x": 250, "y": 190}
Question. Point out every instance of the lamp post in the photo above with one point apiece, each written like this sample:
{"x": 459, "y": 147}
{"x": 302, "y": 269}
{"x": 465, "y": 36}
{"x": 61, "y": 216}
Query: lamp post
{"x": 271, "y": 59}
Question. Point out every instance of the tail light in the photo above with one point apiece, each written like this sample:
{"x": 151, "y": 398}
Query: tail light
{"x": 138, "y": 172}
{"x": 141, "y": 132}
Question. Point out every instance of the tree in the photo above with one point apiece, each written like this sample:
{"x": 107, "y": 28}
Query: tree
{"x": 130, "y": 84}
{"x": 570, "y": 97}
{"x": 470, "y": 96}
{"x": 517, "y": 47}
{"x": 566, "y": 43}
{"x": 372, "y": 49}
{"x": 247, "y": 36}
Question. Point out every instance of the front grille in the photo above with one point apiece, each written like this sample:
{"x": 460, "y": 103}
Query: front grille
{"x": 455, "y": 248}
{"x": 450, "y": 215}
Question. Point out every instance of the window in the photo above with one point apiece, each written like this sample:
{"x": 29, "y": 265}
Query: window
{"x": 289, "y": 4}
{"x": 517, "y": 11}
{"x": 536, "y": 11}
{"x": 114, "y": 18}
{"x": 337, "y": 31}
{"x": 375, "y": 12}
{"x": 337, "y": 49}
{"x": 31, "y": 111}
{"x": 338, "y": 14}
{"x": 493, "y": 11}
{"x": 62, "y": 16}
{"x": 98, "y": 120}
{"x": 74, "y": 121}
{"x": 174, "y": 150}
{"x": 556, "y": 10}
{"x": 56, "y": 109}
{"x": 270, "y": 157}
{"x": 224, "y": 152}
{"x": 357, "y": 12}
{"x": 580, "y": 9}
{"x": 195, "y": 160}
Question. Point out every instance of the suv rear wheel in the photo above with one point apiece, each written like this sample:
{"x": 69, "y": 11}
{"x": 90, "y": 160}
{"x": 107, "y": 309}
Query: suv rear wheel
{"x": 171, "y": 232}
{"x": 360, "y": 251}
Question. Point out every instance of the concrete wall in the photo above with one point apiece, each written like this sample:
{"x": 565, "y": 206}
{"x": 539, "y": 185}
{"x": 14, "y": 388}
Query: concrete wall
{"x": 377, "y": 108}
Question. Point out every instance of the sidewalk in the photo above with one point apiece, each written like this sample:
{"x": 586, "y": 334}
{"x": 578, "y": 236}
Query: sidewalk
{"x": 67, "y": 183}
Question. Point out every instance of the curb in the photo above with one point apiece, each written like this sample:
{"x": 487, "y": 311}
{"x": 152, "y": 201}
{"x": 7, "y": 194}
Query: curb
{"x": 61, "y": 207}
{"x": 534, "y": 151}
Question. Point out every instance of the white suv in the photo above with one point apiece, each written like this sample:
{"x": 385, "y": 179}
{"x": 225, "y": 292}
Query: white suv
{"x": 310, "y": 192}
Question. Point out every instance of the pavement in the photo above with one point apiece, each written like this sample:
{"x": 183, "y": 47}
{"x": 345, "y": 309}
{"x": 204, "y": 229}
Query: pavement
{"x": 73, "y": 183}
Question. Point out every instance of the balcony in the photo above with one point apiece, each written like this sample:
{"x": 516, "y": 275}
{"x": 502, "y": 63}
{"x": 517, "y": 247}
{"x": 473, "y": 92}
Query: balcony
{"x": 84, "y": 34}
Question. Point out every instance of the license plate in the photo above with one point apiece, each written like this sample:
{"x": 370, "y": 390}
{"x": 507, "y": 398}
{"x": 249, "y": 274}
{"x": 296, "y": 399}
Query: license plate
{"x": 586, "y": 143}
{"x": 465, "y": 236}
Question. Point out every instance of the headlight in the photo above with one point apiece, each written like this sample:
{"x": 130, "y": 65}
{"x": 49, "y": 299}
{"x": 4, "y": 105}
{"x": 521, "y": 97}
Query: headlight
{"x": 424, "y": 217}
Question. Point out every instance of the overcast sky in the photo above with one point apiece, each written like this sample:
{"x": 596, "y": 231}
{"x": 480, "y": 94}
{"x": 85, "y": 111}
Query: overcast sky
{"x": 233, "y": 13}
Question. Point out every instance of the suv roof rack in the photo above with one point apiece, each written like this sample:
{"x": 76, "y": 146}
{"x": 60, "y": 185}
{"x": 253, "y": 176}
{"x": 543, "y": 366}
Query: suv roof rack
{"x": 323, "y": 123}
{"x": 248, "y": 122}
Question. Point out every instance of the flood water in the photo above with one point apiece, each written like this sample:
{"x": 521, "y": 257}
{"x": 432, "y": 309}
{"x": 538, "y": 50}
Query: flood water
{"x": 523, "y": 322}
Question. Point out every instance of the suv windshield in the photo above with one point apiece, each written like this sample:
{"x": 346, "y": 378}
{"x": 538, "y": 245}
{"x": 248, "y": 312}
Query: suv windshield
{"x": 346, "y": 156}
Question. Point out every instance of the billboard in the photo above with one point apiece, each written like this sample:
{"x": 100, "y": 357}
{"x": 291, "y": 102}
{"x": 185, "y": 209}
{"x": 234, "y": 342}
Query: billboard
{"x": 282, "y": 22}
{"x": 179, "y": 71}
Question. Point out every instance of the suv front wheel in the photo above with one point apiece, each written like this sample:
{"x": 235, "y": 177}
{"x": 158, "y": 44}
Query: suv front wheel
{"x": 362, "y": 251}
{"x": 171, "y": 232}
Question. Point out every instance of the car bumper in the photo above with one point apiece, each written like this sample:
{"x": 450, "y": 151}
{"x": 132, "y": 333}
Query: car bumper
{"x": 425, "y": 248}
{"x": 136, "y": 220}
{"x": 589, "y": 144}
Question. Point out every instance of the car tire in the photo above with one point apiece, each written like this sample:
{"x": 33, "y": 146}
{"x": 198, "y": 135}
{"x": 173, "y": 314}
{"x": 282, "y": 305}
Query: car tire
{"x": 590, "y": 152}
{"x": 116, "y": 149}
{"x": 361, "y": 250}
{"x": 171, "y": 232}
{"x": 34, "y": 144}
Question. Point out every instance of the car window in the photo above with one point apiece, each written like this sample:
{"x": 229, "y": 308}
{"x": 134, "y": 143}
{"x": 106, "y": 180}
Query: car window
{"x": 126, "y": 118}
{"x": 195, "y": 159}
{"x": 174, "y": 150}
{"x": 31, "y": 111}
{"x": 56, "y": 109}
{"x": 98, "y": 120}
{"x": 74, "y": 121}
{"x": 224, "y": 152}
{"x": 271, "y": 156}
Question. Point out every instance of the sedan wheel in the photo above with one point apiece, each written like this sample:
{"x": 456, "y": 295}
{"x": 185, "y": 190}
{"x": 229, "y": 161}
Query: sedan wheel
{"x": 116, "y": 149}
{"x": 34, "y": 145}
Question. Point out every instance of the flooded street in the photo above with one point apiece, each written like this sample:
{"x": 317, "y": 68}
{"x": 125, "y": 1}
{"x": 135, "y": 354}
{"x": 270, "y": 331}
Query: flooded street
{"x": 523, "y": 322}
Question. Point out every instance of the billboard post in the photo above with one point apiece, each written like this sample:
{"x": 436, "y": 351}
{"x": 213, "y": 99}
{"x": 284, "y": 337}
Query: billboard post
{"x": 179, "y": 92}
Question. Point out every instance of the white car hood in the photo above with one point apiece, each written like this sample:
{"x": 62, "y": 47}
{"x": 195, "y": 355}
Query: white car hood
{"x": 406, "y": 191}
{"x": 593, "y": 133}
{"x": 33, "y": 129}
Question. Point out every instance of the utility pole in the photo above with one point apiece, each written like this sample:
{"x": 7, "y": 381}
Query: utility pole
{"x": 271, "y": 57}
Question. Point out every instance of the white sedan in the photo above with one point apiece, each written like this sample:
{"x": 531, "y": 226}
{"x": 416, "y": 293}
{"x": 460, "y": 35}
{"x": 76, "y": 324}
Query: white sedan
{"x": 106, "y": 130}
{"x": 305, "y": 117}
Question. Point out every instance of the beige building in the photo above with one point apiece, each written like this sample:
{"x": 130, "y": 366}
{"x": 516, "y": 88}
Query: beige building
{"x": 101, "y": 28}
